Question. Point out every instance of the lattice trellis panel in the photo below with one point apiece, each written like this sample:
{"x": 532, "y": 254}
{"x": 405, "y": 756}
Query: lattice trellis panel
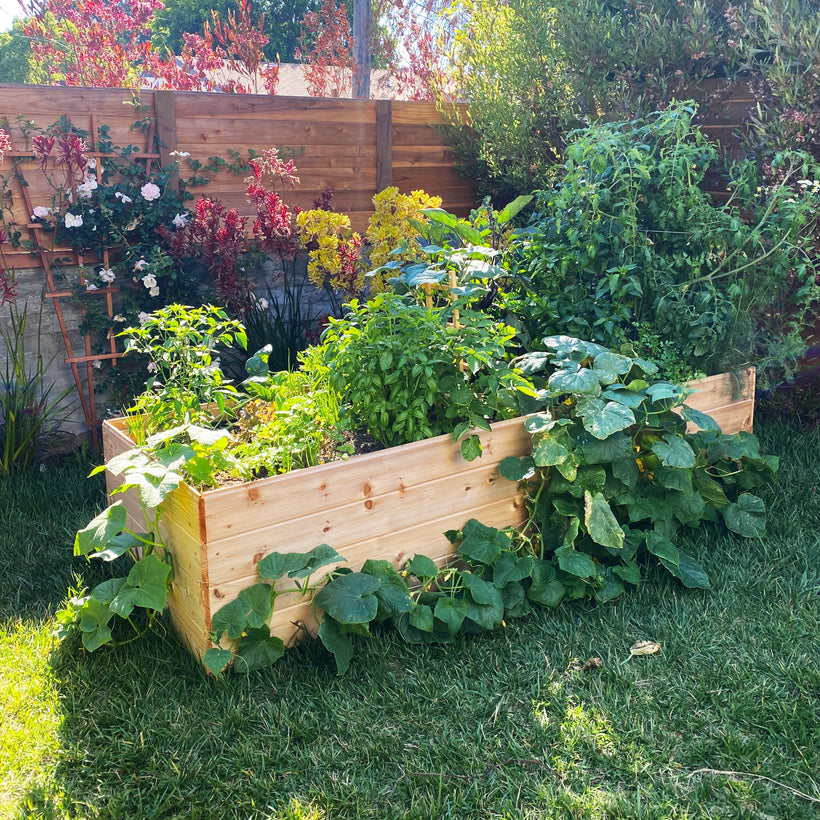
{"x": 27, "y": 187}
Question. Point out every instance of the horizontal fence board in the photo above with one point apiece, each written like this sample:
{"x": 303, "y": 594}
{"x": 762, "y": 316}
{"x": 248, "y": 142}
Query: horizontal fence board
{"x": 334, "y": 142}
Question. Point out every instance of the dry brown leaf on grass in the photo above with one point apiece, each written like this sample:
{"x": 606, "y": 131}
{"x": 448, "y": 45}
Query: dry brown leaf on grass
{"x": 643, "y": 648}
{"x": 589, "y": 665}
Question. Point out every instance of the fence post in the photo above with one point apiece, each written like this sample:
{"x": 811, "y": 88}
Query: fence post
{"x": 165, "y": 111}
{"x": 384, "y": 144}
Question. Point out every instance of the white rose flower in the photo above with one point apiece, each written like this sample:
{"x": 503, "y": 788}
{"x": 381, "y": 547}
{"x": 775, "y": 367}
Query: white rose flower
{"x": 123, "y": 198}
{"x": 40, "y": 212}
{"x": 141, "y": 265}
{"x": 181, "y": 220}
{"x": 143, "y": 317}
{"x": 107, "y": 275}
{"x": 154, "y": 291}
{"x": 88, "y": 185}
{"x": 149, "y": 280}
{"x": 150, "y": 191}
{"x": 73, "y": 221}
{"x": 91, "y": 286}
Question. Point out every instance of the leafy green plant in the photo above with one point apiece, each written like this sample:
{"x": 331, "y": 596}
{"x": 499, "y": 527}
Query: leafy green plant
{"x": 181, "y": 343}
{"x": 614, "y": 472}
{"x": 532, "y": 72}
{"x": 30, "y": 407}
{"x": 153, "y": 470}
{"x": 409, "y": 373}
{"x": 629, "y": 238}
{"x": 293, "y": 419}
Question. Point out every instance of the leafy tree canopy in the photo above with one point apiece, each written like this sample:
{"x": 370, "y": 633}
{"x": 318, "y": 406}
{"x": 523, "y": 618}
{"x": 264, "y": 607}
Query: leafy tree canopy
{"x": 283, "y": 22}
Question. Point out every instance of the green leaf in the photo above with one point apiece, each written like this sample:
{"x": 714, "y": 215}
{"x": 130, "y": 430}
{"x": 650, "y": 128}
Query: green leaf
{"x": 297, "y": 564}
{"x": 336, "y": 642}
{"x": 746, "y": 517}
{"x": 146, "y": 586}
{"x": 511, "y": 209}
{"x": 691, "y": 574}
{"x": 664, "y": 390}
{"x": 514, "y": 598}
{"x": 257, "y": 604}
{"x": 709, "y": 489}
{"x": 545, "y": 589}
{"x": 229, "y": 619}
{"x": 96, "y": 535}
{"x": 702, "y": 420}
{"x": 482, "y": 544}
{"x": 546, "y": 451}
{"x": 216, "y": 660}
{"x": 471, "y": 448}
{"x": 604, "y": 451}
{"x": 413, "y": 635}
{"x": 626, "y": 470}
{"x": 421, "y": 617}
{"x": 674, "y": 478}
{"x": 629, "y": 572}
{"x": 674, "y": 451}
{"x": 451, "y": 612}
{"x": 601, "y": 523}
{"x": 350, "y": 599}
{"x": 623, "y": 395}
{"x": 511, "y": 567}
{"x": 481, "y": 591}
{"x": 575, "y": 563}
{"x": 485, "y": 604}
{"x": 154, "y": 485}
{"x": 661, "y": 547}
{"x": 569, "y": 467}
{"x": 613, "y": 364}
{"x": 107, "y": 590}
{"x": 611, "y": 588}
{"x": 422, "y": 567}
{"x": 94, "y": 619}
{"x": 687, "y": 507}
{"x": 257, "y": 649}
{"x": 514, "y": 468}
{"x": 393, "y": 594}
{"x": 611, "y": 419}
{"x": 119, "y": 545}
{"x": 583, "y": 382}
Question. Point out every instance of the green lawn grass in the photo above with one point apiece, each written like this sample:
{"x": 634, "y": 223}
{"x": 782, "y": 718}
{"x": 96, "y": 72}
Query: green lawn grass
{"x": 724, "y": 722}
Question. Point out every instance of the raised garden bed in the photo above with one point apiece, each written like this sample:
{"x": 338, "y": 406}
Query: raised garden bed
{"x": 390, "y": 504}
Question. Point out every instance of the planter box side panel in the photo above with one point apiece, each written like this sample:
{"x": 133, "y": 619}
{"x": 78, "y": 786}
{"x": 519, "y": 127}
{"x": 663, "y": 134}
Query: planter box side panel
{"x": 304, "y": 492}
{"x": 425, "y": 538}
{"x": 388, "y": 505}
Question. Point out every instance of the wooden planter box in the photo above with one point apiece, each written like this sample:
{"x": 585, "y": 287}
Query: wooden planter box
{"x": 390, "y": 504}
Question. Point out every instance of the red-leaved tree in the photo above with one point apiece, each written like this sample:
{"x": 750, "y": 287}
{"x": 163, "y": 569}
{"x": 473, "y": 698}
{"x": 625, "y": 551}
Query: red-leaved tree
{"x": 326, "y": 50}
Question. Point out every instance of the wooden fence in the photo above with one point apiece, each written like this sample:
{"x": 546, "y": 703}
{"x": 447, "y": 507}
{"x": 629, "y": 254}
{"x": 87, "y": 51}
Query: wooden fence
{"x": 353, "y": 147}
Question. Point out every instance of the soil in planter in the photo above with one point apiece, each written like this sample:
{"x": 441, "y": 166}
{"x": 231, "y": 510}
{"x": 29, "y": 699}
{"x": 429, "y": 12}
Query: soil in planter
{"x": 354, "y": 443}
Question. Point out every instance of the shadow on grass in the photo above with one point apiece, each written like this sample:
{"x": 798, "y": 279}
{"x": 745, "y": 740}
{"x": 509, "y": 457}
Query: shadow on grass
{"x": 503, "y": 725}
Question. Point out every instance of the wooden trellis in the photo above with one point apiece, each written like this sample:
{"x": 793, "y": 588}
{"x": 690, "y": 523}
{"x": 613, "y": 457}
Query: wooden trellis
{"x": 83, "y": 363}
